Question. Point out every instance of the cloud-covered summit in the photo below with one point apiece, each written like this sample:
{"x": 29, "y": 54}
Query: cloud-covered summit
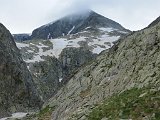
{"x": 22, "y": 16}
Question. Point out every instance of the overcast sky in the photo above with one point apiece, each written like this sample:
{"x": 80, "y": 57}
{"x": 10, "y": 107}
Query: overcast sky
{"x": 22, "y": 16}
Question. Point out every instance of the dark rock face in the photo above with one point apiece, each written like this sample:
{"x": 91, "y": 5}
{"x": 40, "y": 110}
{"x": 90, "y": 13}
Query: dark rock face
{"x": 17, "y": 91}
{"x": 72, "y": 58}
{"x": 46, "y": 76}
{"x": 73, "y": 24}
{"x": 21, "y": 37}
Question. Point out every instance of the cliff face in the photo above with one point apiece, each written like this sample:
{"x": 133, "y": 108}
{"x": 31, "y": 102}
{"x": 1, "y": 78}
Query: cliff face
{"x": 17, "y": 91}
{"x": 47, "y": 75}
{"x": 133, "y": 62}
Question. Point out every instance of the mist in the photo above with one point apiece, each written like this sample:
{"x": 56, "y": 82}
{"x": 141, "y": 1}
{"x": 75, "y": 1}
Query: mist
{"x": 24, "y": 16}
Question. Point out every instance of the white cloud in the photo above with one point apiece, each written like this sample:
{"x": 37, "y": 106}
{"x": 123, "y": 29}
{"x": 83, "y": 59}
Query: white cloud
{"x": 21, "y": 16}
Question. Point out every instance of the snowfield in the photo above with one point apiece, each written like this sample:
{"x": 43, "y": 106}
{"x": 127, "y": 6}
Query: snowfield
{"x": 18, "y": 115}
{"x": 96, "y": 43}
{"x": 107, "y": 29}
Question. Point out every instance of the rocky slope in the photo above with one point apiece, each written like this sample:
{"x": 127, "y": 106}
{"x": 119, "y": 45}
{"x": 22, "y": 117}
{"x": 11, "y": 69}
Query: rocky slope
{"x": 133, "y": 62}
{"x": 72, "y": 58}
{"x": 17, "y": 91}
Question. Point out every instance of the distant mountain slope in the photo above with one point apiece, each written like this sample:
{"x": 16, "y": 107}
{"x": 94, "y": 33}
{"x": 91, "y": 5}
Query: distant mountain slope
{"x": 155, "y": 22}
{"x": 17, "y": 90}
{"x": 21, "y": 37}
{"x": 73, "y": 24}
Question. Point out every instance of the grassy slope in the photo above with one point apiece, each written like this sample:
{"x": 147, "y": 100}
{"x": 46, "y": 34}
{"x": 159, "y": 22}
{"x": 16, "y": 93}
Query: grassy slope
{"x": 135, "y": 104}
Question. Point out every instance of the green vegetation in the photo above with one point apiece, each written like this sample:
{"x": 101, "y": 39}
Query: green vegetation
{"x": 45, "y": 113}
{"x": 135, "y": 104}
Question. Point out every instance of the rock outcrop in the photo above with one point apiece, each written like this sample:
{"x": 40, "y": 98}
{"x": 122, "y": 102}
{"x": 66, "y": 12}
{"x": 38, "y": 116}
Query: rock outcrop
{"x": 133, "y": 61}
{"x": 72, "y": 58}
{"x": 17, "y": 91}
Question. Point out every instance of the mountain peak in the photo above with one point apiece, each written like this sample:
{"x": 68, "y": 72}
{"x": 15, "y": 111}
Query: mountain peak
{"x": 73, "y": 24}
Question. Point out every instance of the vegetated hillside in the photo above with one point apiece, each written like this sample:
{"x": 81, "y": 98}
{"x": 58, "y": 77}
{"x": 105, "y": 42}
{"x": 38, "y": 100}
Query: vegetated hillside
{"x": 130, "y": 68}
{"x": 136, "y": 104}
{"x": 17, "y": 90}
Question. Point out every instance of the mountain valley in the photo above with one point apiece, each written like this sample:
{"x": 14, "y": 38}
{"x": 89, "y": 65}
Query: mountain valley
{"x": 81, "y": 67}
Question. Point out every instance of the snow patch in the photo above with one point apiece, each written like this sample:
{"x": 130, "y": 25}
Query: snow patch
{"x": 98, "y": 49}
{"x": 21, "y": 45}
{"x": 87, "y": 28}
{"x": 17, "y": 115}
{"x": 58, "y": 46}
{"x": 30, "y": 51}
{"x": 32, "y": 44}
{"x": 107, "y": 29}
{"x": 124, "y": 32}
{"x": 28, "y": 67}
{"x": 60, "y": 79}
{"x": 102, "y": 42}
{"x": 71, "y": 30}
{"x": 48, "y": 36}
{"x": 37, "y": 57}
{"x": 60, "y": 43}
